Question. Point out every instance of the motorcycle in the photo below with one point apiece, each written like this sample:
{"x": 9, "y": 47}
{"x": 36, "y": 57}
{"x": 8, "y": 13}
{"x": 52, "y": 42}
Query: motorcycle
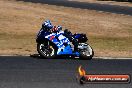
{"x": 51, "y": 45}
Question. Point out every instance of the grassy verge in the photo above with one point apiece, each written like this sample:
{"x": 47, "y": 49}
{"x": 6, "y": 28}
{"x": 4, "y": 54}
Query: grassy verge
{"x": 109, "y": 34}
{"x": 112, "y": 46}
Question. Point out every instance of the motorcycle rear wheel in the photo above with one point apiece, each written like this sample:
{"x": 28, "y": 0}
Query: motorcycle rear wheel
{"x": 87, "y": 54}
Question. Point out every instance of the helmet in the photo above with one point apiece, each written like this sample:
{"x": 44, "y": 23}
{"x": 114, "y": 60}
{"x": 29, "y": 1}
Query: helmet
{"x": 47, "y": 25}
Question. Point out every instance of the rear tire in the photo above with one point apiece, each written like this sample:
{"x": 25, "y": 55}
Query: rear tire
{"x": 87, "y": 54}
{"x": 46, "y": 50}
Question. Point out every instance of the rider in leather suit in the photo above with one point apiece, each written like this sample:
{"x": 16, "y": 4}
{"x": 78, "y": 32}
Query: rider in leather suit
{"x": 49, "y": 27}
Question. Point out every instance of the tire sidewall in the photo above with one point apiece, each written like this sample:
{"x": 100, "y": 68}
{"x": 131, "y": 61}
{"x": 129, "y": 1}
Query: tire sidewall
{"x": 42, "y": 54}
{"x": 85, "y": 57}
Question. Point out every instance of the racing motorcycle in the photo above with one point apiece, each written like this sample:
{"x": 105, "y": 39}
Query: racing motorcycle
{"x": 51, "y": 45}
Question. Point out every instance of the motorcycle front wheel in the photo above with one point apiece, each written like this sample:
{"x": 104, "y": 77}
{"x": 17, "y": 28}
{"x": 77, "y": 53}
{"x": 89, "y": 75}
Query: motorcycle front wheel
{"x": 46, "y": 50}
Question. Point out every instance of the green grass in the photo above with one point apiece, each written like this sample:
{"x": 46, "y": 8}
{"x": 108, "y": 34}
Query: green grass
{"x": 112, "y": 43}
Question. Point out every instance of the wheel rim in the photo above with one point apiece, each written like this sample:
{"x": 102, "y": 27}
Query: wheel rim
{"x": 47, "y": 50}
{"x": 87, "y": 52}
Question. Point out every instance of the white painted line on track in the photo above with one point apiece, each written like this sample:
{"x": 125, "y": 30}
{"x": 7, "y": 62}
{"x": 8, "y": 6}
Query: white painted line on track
{"x": 112, "y": 57}
{"x": 93, "y": 57}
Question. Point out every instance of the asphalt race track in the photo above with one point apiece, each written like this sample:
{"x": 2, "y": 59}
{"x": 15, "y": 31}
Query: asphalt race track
{"x": 29, "y": 72}
{"x": 83, "y": 5}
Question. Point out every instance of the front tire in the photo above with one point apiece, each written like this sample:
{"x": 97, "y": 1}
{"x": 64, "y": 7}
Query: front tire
{"x": 46, "y": 50}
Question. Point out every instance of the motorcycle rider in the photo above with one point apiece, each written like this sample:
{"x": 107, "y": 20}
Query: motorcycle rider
{"x": 47, "y": 25}
{"x": 56, "y": 29}
{"x": 74, "y": 41}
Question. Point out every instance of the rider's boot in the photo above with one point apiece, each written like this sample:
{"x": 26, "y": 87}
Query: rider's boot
{"x": 75, "y": 43}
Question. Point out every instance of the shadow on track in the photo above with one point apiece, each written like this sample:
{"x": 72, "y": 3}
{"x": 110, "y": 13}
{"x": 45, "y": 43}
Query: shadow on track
{"x": 37, "y": 56}
{"x": 83, "y": 5}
